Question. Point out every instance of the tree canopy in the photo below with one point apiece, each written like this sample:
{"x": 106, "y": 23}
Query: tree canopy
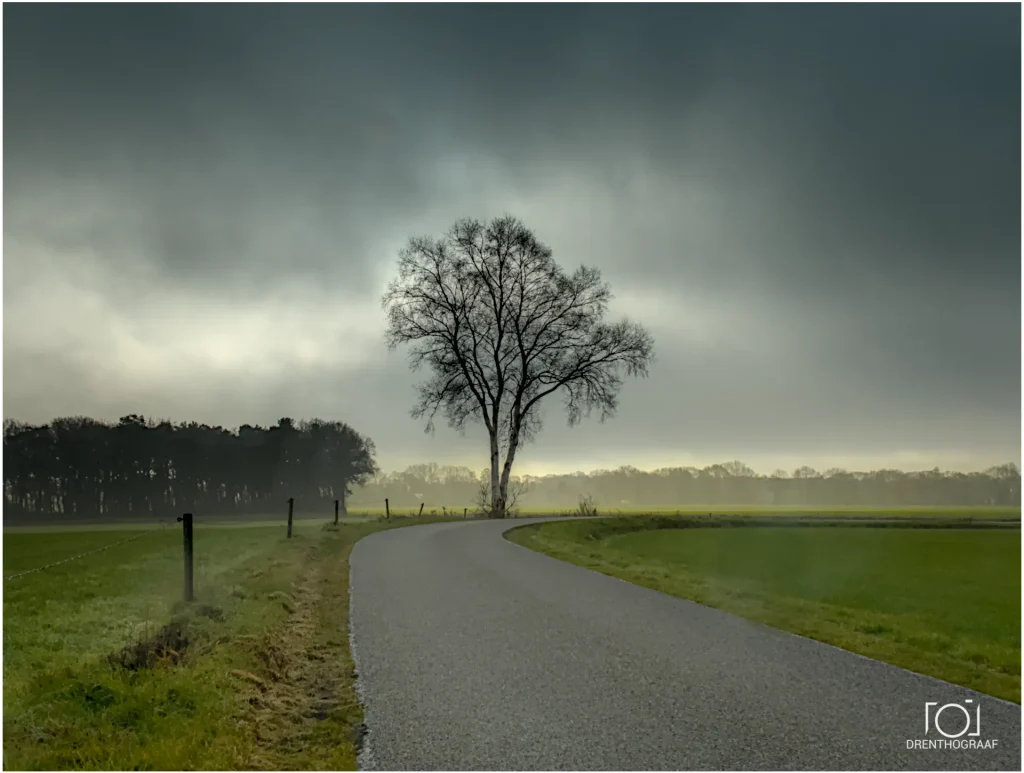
{"x": 80, "y": 467}
{"x": 500, "y": 326}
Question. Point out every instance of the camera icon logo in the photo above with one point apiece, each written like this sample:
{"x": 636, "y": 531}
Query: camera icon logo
{"x": 953, "y": 720}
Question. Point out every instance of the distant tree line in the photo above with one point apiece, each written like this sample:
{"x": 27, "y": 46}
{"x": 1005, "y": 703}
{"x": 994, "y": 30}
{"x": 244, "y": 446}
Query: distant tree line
{"x": 83, "y": 468}
{"x": 80, "y": 467}
{"x": 731, "y": 483}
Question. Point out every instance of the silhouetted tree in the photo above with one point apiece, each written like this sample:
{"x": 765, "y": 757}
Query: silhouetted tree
{"x": 79, "y": 467}
{"x": 501, "y": 326}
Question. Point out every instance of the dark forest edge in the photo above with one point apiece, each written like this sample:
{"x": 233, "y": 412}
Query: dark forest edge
{"x": 80, "y": 468}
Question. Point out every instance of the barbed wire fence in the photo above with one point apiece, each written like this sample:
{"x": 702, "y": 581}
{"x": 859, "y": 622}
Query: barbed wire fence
{"x": 188, "y": 553}
{"x": 82, "y": 555}
{"x": 187, "y": 522}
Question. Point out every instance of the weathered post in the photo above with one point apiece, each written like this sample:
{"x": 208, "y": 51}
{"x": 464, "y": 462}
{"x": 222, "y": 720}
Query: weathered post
{"x": 421, "y": 507}
{"x": 387, "y": 509}
{"x": 335, "y": 512}
{"x": 464, "y": 511}
{"x": 291, "y": 508}
{"x": 186, "y": 524}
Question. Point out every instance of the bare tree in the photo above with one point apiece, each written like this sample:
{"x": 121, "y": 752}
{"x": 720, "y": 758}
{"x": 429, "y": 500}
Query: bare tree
{"x": 500, "y": 326}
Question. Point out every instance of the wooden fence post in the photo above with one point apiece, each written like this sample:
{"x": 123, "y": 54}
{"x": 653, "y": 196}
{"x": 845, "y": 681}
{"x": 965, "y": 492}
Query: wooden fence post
{"x": 387, "y": 509}
{"x": 186, "y": 524}
{"x": 335, "y": 512}
{"x": 421, "y": 507}
{"x": 291, "y": 507}
{"x": 464, "y": 510}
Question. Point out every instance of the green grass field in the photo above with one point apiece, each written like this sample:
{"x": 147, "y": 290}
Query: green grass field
{"x": 105, "y": 668}
{"x": 941, "y": 601}
{"x": 35, "y": 549}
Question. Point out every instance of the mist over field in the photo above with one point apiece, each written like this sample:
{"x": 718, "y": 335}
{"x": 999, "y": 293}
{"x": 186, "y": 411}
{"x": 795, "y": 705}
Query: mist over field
{"x": 74, "y": 469}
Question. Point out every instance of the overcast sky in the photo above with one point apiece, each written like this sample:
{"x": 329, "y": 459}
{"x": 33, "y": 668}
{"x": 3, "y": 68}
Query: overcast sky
{"x": 815, "y": 210}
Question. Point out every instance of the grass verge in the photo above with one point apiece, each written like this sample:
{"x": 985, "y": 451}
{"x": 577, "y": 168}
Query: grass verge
{"x": 105, "y": 669}
{"x": 942, "y": 601}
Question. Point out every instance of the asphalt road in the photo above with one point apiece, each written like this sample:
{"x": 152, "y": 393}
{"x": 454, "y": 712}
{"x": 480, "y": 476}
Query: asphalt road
{"x": 475, "y": 653}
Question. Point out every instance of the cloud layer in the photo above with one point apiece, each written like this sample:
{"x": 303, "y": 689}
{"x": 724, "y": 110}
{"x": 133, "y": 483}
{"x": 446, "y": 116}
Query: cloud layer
{"x": 816, "y": 210}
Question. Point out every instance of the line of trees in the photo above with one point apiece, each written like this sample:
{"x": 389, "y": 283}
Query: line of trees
{"x": 80, "y": 468}
{"x": 732, "y": 483}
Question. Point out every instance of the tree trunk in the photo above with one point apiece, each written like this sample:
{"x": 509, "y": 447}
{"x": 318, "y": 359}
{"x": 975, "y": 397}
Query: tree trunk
{"x": 507, "y": 468}
{"x": 497, "y": 502}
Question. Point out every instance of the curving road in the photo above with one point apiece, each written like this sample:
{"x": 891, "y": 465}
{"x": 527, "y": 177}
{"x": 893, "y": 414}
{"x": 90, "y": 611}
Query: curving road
{"x": 475, "y": 653}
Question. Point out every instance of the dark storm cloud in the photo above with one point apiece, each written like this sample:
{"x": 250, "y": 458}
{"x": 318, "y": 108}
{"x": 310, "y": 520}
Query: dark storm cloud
{"x": 835, "y": 189}
{"x": 895, "y": 128}
{"x": 198, "y": 125}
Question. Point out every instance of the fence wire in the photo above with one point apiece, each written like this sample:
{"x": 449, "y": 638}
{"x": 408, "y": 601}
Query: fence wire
{"x": 80, "y": 555}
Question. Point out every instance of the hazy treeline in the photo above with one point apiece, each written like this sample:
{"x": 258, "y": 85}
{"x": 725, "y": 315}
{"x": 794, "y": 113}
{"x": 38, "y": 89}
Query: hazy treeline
{"x": 81, "y": 467}
{"x": 732, "y": 483}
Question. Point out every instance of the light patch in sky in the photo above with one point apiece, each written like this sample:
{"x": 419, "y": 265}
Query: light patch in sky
{"x": 824, "y": 242}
